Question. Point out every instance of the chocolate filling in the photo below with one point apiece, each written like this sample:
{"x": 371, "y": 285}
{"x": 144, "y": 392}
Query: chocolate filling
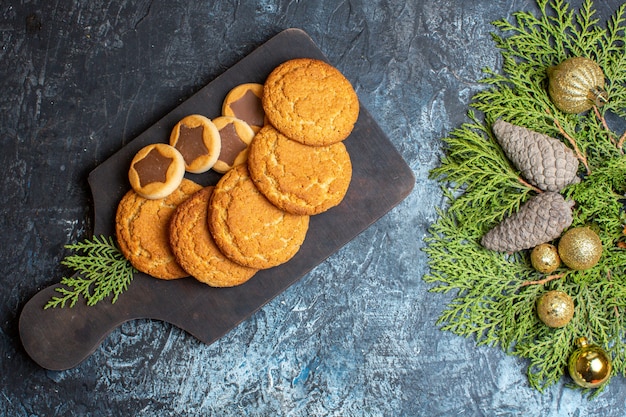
{"x": 152, "y": 168}
{"x": 232, "y": 144}
{"x": 191, "y": 143}
{"x": 249, "y": 109}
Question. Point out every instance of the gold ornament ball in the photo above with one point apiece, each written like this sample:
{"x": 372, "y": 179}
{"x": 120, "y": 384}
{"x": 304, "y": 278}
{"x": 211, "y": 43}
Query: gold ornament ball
{"x": 589, "y": 365}
{"x": 545, "y": 258}
{"x": 555, "y": 308}
{"x": 576, "y": 85}
{"x": 580, "y": 248}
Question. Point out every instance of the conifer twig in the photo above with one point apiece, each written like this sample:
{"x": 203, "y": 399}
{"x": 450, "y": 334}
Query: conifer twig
{"x": 615, "y": 309}
{"x": 602, "y": 119}
{"x": 620, "y": 142}
{"x": 101, "y": 271}
{"x": 542, "y": 281}
{"x": 572, "y": 142}
{"x": 526, "y": 184}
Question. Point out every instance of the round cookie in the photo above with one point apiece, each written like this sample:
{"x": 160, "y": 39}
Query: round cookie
{"x": 297, "y": 178}
{"x": 310, "y": 101}
{"x": 142, "y": 231}
{"x": 156, "y": 171}
{"x": 194, "y": 248}
{"x": 235, "y": 135}
{"x": 198, "y": 141}
{"x": 245, "y": 102}
{"x": 249, "y": 229}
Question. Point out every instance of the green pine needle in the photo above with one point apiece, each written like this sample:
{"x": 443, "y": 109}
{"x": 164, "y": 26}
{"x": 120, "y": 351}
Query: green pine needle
{"x": 494, "y": 294}
{"x": 101, "y": 271}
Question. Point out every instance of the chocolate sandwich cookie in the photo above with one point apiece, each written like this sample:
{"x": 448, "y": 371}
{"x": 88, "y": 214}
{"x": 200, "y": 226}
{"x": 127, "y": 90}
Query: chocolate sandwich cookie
{"x": 298, "y": 178}
{"x": 198, "y": 141}
{"x": 235, "y": 135}
{"x": 194, "y": 248}
{"x": 310, "y": 101}
{"x": 156, "y": 171}
{"x": 142, "y": 231}
{"x": 247, "y": 228}
{"x": 244, "y": 102}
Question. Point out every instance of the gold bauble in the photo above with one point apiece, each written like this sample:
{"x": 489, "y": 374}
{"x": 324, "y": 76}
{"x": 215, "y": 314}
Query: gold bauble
{"x": 555, "y": 308}
{"x": 576, "y": 85}
{"x": 580, "y": 248}
{"x": 589, "y": 365}
{"x": 545, "y": 258}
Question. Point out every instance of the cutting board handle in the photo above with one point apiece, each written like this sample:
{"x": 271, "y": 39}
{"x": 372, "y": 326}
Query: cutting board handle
{"x": 61, "y": 338}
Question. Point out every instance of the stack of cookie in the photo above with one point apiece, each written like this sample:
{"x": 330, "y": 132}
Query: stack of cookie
{"x": 257, "y": 215}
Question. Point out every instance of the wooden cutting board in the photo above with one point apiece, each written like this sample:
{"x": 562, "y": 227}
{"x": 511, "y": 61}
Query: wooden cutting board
{"x": 61, "y": 338}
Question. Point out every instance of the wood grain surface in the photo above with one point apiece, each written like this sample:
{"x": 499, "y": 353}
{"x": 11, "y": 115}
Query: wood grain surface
{"x": 61, "y": 338}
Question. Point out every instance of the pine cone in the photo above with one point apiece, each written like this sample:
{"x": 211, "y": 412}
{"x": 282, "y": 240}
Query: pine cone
{"x": 541, "y": 219}
{"x": 544, "y": 161}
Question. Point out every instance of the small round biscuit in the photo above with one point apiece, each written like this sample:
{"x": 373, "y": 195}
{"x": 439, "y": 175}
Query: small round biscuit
{"x": 194, "y": 248}
{"x": 156, "y": 171}
{"x": 310, "y": 101}
{"x": 297, "y": 178}
{"x": 249, "y": 229}
{"x": 198, "y": 140}
{"x": 142, "y": 231}
{"x": 235, "y": 135}
{"x": 245, "y": 102}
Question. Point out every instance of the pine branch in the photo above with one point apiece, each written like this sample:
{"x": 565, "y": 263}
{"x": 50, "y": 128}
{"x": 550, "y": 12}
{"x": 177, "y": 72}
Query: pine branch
{"x": 581, "y": 157}
{"x": 494, "y": 294}
{"x": 480, "y": 165}
{"x": 101, "y": 271}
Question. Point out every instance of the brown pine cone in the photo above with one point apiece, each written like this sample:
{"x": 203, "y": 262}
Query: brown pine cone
{"x": 539, "y": 220}
{"x": 544, "y": 161}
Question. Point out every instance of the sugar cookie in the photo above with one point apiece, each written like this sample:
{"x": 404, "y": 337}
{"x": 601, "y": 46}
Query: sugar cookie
{"x": 194, "y": 248}
{"x": 249, "y": 229}
{"x": 310, "y": 101}
{"x": 298, "y": 178}
{"x": 142, "y": 231}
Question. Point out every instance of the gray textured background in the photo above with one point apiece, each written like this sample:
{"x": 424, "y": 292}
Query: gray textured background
{"x": 357, "y": 335}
